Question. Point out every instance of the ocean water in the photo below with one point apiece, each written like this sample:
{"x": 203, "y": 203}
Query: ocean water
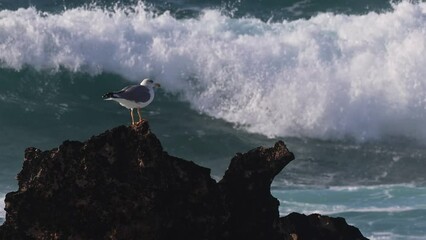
{"x": 341, "y": 83}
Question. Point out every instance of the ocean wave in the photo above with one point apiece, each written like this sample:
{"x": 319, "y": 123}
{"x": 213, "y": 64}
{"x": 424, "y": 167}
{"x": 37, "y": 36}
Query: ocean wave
{"x": 287, "y": 185}
{"x": 393, "y": 236}
{"x": 380, "y": 199}
{"x": 325, "y": 209}
{"x": 407, "y": 186}
{"x": 330, "y": 76}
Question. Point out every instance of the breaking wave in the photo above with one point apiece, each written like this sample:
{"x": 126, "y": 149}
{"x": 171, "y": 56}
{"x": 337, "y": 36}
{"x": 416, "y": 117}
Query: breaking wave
{"x": 330, "y": 76}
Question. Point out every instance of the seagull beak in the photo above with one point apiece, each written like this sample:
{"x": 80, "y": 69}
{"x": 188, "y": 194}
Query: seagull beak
{"x": 157, "y": 85}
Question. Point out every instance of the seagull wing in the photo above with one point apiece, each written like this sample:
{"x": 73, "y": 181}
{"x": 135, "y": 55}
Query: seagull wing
{"x": 135, "y": 93}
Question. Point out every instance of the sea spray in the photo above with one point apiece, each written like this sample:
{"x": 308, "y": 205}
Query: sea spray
{"x": 330, "y": 76}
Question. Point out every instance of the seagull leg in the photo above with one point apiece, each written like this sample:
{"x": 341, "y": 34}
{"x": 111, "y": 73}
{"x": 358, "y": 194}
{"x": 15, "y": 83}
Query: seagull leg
{"x": 131, "y": 114}
{"x": 140, "y": 117}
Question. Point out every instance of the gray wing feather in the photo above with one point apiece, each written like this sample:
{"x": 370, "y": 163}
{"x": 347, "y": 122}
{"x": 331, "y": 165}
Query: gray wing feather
{"x": 136, "y": 93}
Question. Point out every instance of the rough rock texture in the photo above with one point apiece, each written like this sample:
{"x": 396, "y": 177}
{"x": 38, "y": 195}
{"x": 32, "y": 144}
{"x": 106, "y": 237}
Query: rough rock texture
{"x": 122, "y": 185}
{"x": 316, "y": 226}
{"x": 246, "y": 188}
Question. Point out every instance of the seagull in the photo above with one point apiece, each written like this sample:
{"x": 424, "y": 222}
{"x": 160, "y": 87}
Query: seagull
{"x": 134, "y": 96}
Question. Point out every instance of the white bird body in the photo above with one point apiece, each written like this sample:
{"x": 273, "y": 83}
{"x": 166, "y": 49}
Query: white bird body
{"x": 130, "y": 104}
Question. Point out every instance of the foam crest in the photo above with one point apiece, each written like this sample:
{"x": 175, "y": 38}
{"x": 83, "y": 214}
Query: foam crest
{"x": 331, "y": 76}
{"x": 2, "y": 212}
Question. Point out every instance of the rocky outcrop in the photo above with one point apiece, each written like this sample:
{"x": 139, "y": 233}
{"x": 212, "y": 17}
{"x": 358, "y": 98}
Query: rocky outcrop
{"x": 246, "y": 188}
{"x": 316, "y": 226}
{"x": 122, "y": 185}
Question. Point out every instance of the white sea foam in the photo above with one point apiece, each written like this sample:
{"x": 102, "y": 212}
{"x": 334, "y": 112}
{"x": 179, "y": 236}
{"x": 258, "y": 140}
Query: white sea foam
{"x": 2, "y": 212}
{"x": 330, "y": 76}
{"x": 325, "y": 209}
{"x": 407, "y": 186}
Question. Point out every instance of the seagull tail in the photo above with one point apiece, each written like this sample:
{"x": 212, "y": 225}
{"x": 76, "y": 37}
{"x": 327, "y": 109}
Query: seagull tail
{"x": 108, "y": 96}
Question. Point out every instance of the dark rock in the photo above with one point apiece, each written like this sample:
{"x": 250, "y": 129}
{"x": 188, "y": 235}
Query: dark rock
{"x": 316, "y": 226}
{"x": 122, "y": 185}
{"x": 119, "y": 185}
{"x": 246, "y": 187}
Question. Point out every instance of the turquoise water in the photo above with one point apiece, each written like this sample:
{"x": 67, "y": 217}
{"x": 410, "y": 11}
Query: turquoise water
{"x": 384, "y": 211}
{"x": 341, "y": 83}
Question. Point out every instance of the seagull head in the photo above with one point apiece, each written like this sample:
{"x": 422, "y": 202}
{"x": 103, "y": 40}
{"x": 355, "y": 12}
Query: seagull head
{"x": 149, "y": 83}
